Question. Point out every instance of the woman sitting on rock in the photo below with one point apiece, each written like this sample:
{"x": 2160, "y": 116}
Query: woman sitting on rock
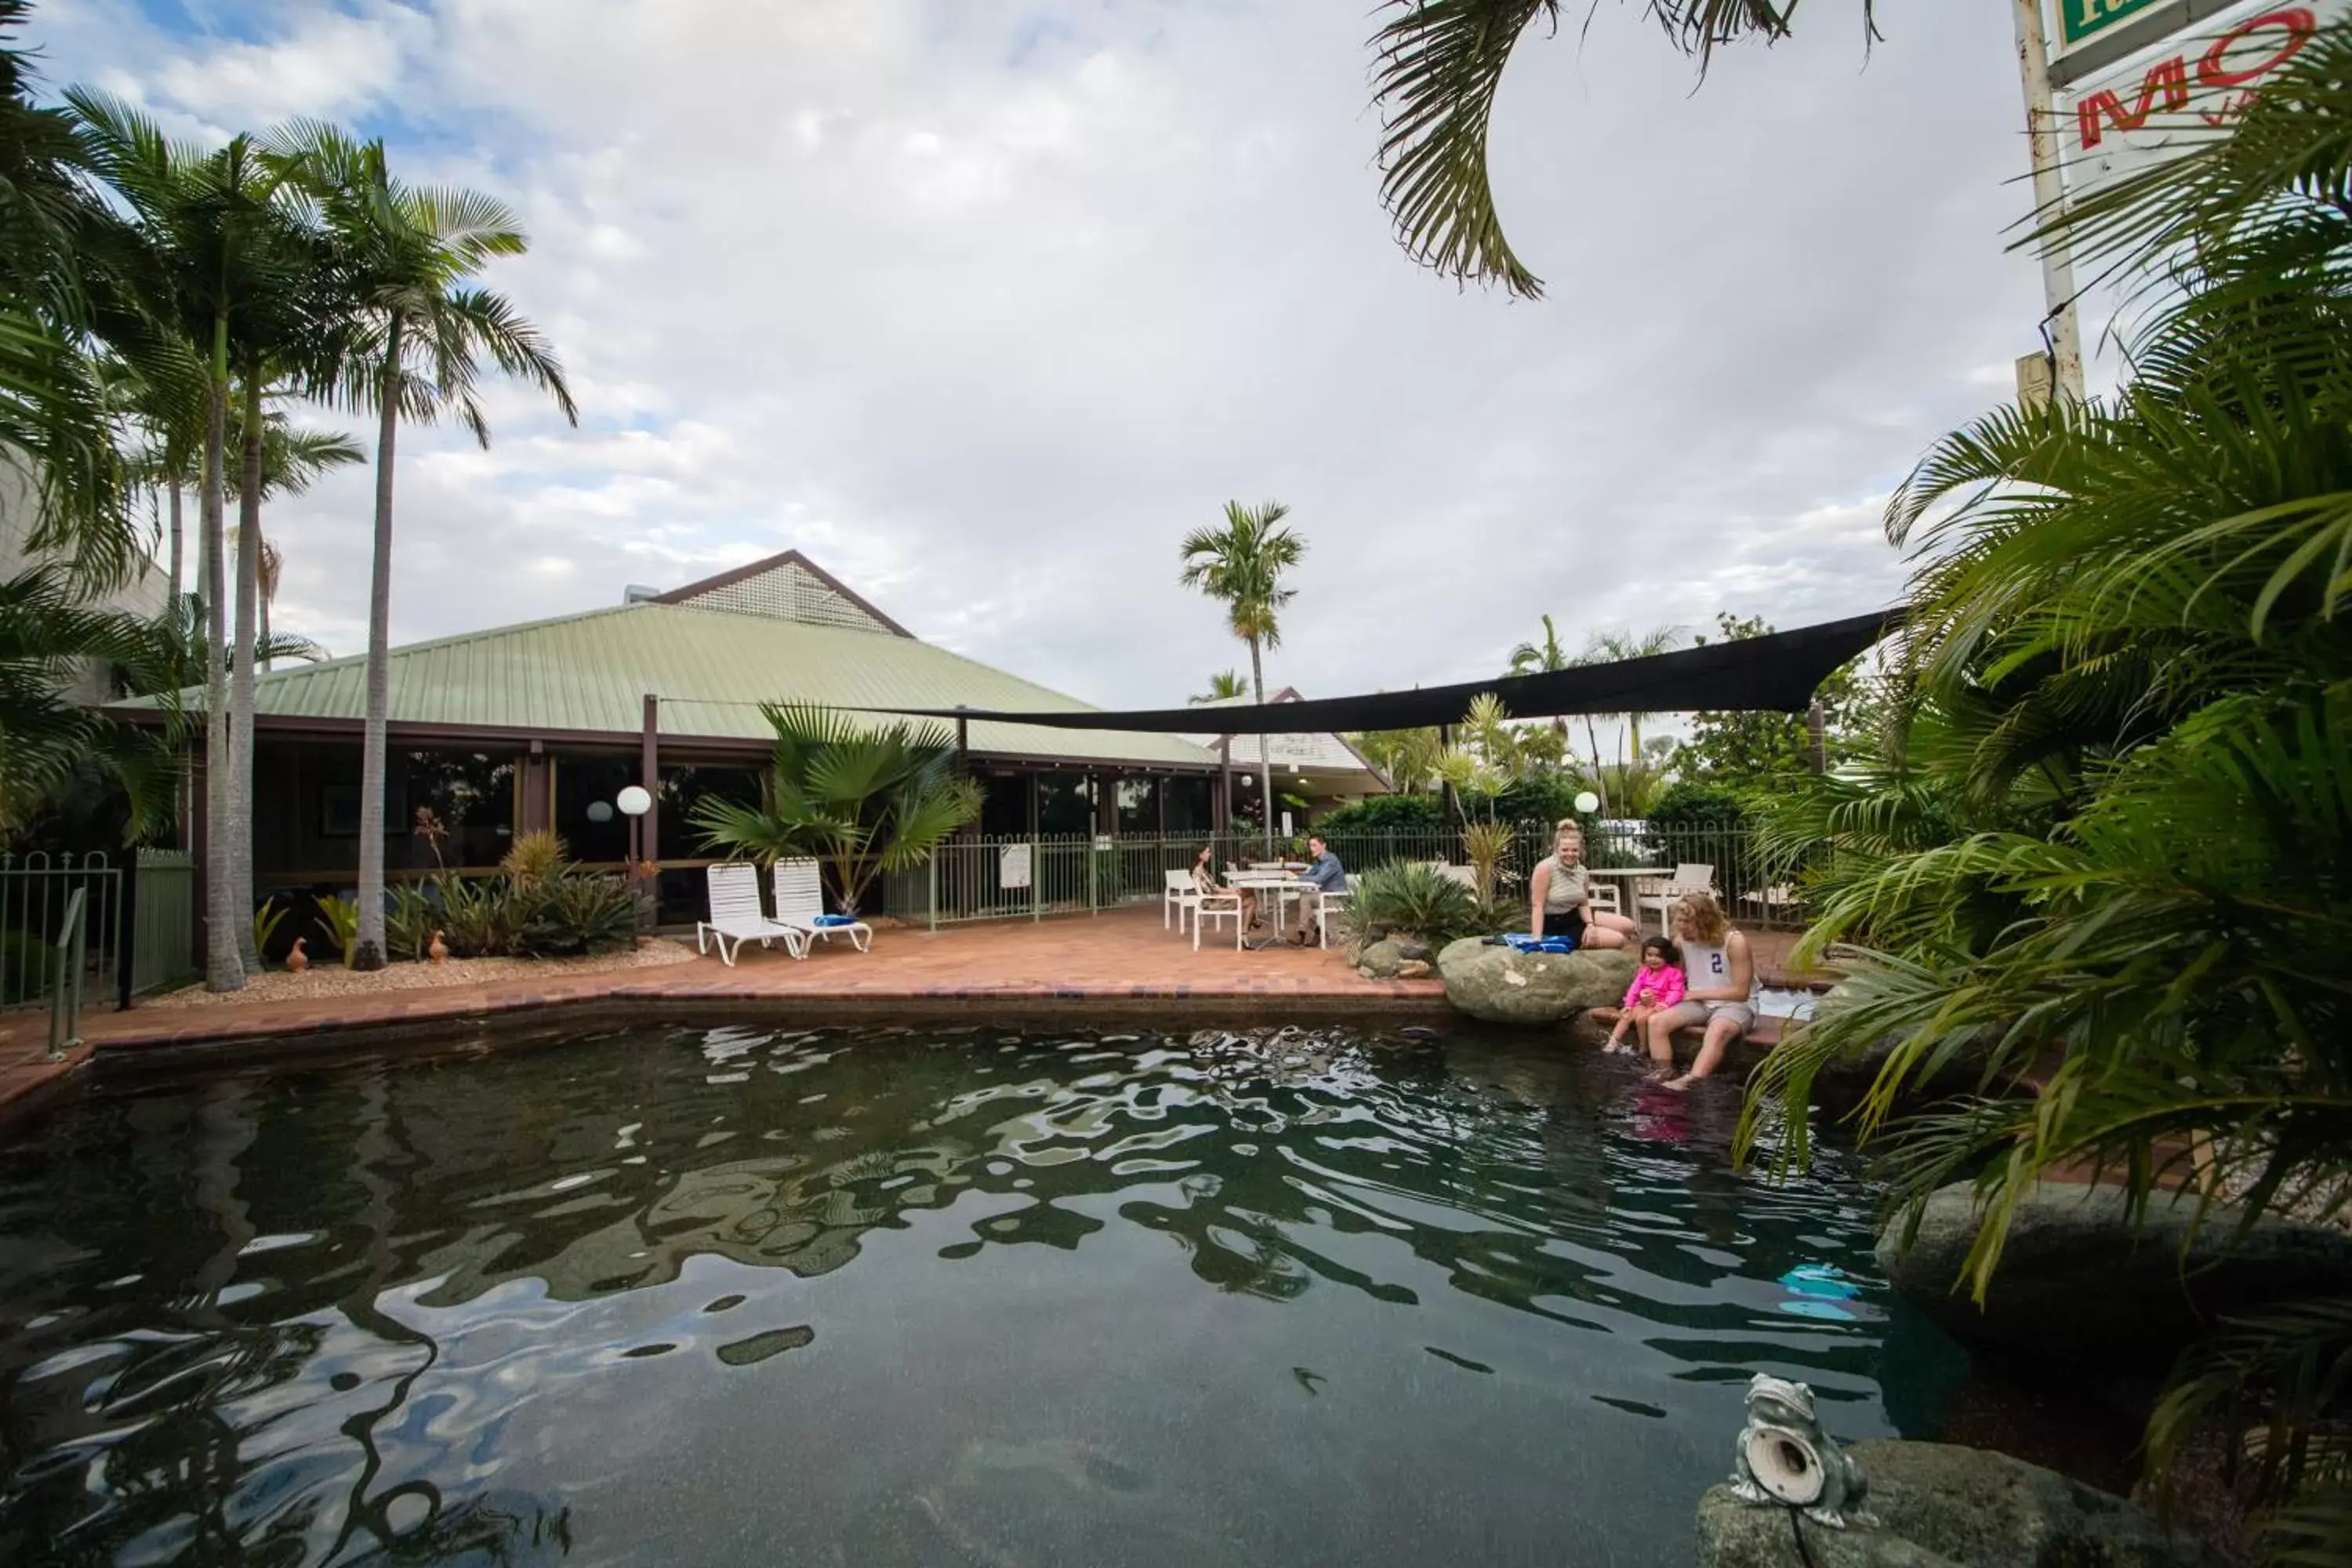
{"x": 1559, "y": 897}
{"x": 1721, "y": 976}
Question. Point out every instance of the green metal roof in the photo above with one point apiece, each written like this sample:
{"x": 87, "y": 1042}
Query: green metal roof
{"x": 711, "y": 668}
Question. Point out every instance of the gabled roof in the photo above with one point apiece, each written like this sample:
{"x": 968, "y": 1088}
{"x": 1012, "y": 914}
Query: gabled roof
{"x": 1309, "y": 752}
{"x": 589, "y": 674}
{"x": 789, "y": 586}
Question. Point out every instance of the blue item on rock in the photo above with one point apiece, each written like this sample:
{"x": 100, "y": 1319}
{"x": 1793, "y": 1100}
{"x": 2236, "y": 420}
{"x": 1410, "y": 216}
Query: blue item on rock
{"x": 1522, "y": 942}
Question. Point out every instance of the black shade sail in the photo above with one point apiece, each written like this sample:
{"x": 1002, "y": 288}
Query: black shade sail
{"x": 1774, "y": 674}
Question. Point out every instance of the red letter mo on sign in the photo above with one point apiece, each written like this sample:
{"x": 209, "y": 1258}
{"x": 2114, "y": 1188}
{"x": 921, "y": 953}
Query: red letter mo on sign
{"x": 2167, "y": 81}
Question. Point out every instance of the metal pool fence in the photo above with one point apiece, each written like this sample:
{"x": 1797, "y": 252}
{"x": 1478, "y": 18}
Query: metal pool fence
{"x": 137, "y": 921}
{"x": 1031, "y": 878}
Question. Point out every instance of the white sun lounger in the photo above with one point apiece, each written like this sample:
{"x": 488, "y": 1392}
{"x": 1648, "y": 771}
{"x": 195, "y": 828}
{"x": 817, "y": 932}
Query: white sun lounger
{"x": 736, "y": 916}
{"x": 800, "y": 901}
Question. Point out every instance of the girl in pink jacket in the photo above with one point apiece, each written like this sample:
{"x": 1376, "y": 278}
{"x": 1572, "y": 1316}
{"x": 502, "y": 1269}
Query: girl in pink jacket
{"x": 1657, "y": 985}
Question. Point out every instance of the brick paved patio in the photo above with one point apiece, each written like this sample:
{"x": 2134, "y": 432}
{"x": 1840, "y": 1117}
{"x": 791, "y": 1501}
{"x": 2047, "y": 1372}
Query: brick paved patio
{"x": 1125, "y": 957}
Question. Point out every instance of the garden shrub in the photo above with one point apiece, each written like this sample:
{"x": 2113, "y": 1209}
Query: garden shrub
{"x": 1385, "y": 813}
{"x": 573, "y": 912}
{"x": 1416, "y": 899}
{"x": 1687, "y": 804}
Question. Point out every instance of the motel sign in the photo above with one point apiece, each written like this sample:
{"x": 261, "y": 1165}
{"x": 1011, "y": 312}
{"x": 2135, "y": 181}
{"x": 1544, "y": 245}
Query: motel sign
{"x": 2185, "y": 92}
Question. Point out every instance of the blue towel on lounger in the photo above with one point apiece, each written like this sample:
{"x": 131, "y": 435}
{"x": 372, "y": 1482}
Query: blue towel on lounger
{"x": 835, "y": 920}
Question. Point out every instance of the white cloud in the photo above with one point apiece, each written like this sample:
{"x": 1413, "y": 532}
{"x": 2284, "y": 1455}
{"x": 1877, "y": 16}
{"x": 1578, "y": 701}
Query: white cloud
{"x": 984, "y": 310}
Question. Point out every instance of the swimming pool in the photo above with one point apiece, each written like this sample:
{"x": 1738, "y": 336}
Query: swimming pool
{"x": 887, "y": 1296}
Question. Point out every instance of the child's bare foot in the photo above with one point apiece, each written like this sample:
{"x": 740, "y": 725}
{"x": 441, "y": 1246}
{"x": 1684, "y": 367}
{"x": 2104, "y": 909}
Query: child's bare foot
{"x": 1661, "y": 1072}
{"x": 1678, "y": 1084}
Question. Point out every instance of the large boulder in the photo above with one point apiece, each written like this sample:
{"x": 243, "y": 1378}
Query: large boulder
{"x": 1932, "y": 1505}
{"x": 1501, "y": 985}
{"x": 2078, "y": 1284}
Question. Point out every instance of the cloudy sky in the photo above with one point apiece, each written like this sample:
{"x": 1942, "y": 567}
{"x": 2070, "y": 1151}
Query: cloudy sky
{"x": 984, "y": 305}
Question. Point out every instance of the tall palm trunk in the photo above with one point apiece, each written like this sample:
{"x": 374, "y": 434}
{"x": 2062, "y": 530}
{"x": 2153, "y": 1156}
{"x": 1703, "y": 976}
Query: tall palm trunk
{"x": 241, "y": 675}
{"x": 1265, "y": 751}
{"x": 172, "y": 604}
{"x": 1599, "y": 780}
{"x": 224, "y": 959}
{"x": 367, "y": 950}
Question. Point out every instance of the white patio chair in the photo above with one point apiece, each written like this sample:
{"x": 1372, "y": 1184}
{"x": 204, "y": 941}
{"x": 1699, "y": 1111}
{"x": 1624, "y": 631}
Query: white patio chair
{"x": 800, "y": 904}
{"x": 1690, "y": 877}
{"x": 1604, "y": 897}
{"x": 1327, "y": 903}
{"x": 1207, "y": 907}
{"x": 736, "y": 916}
{"x": 1182, "y": 894}
{"x": 1772, "y": 903}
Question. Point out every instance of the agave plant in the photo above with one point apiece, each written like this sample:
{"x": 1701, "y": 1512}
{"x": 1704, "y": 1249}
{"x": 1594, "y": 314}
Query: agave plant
{"x": 859, "y": 800}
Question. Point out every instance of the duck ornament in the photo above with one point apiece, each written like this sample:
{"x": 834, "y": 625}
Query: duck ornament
{"x": 1784, "y": 1459}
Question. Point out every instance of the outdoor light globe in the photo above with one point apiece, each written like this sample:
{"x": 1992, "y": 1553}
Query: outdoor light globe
{"x": 600, "y": 811}
{"x": 1587, "y": 802}
{"x": 633, "y": 801}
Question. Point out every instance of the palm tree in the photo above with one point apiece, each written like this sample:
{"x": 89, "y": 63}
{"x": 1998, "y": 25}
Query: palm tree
{"x": 208, "y": 247}
{"x": 292, "y": 460}
{"x": 1241, "y": 565}
{"x": 49, "y": 635}
{"x": 2103, "y": 843}
{"x": 57, "y": 418}
{"x": 424, "y": 335}
{"x": 1543, "y": 658}
{"x": 1438, "y": 64}
{"x": 862, "y": 800}
{"x": 1616, "y": 647}
{"x": 1223, "y": 686}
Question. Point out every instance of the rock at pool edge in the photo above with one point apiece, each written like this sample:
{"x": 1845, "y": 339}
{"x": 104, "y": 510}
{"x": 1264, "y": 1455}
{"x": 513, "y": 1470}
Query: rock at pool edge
{"x": 1940, "y": 1506}
{"x": 1500, "y": 985}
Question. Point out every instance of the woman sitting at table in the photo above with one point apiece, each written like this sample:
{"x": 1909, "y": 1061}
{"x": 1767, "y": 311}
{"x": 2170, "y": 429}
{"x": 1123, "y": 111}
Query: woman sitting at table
{"x": 1559, "y": 898}
{"x": 1205, "y": 883}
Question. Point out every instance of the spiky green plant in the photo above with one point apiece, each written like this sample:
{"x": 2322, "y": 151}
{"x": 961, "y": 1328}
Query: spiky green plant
{"x": 860, "y": 798}
{"x": 2101, "y": 861}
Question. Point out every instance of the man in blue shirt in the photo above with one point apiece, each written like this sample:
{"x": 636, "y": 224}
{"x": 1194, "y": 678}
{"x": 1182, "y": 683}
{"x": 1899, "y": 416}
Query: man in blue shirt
{"x": 1325, "y": 875}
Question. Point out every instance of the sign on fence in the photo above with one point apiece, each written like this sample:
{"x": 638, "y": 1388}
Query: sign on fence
{"x": 2187, "y": 92}
{"x": 1013, "y": 866}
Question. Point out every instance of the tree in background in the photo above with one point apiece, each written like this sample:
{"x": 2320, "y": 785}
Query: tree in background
{"x": 1755, "y": 751}
{"x": 1438, "y": 67}
{"x": 1223, "y": 686}
{"x": 419, "y": 335}
{"x": 1241, "y": 565}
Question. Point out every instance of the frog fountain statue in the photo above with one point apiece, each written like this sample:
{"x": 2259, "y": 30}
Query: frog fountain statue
{"x": 1784, "y": 1459}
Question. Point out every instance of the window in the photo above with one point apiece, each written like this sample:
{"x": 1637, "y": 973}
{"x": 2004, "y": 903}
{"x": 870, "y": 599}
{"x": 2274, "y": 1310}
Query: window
{"x": 470, "y": 794}
{"x": 1066, "y": 804}
{"x": 586, "y": 818}
{"x": 1138, "y": 805}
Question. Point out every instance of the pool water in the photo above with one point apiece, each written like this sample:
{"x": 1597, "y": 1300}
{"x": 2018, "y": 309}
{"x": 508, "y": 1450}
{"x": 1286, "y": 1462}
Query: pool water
{"x": 878, "y": 1297}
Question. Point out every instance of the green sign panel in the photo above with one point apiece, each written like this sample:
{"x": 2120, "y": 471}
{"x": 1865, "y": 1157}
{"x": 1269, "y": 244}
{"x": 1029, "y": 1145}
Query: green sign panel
{"x": 2081, "y": 20}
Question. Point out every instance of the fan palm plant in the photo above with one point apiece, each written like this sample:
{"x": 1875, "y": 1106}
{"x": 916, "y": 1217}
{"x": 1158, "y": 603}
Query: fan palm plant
{"x": 2106, "y": 841}
{"x": 1243, "y": 565}
{"x": 424, "y": 335}
{"x": 859, "y": 800}
{"x": 1438, "y": 64}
